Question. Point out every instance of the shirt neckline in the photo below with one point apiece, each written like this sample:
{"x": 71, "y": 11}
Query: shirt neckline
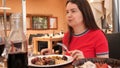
{"x": 81, "y": 33}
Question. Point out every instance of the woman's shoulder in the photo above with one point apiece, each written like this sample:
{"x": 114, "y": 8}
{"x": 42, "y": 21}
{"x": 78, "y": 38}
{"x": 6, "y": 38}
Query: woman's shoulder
{"x": 66, "y": 33}
{"x": 98, "y": 31}
{"x": 97, "y": 36}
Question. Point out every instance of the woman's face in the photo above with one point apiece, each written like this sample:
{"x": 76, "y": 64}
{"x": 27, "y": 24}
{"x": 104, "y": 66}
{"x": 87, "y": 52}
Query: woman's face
{"x": 73, "y": 15}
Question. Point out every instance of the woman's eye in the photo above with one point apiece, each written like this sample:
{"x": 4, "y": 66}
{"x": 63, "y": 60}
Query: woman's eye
{"x": 73, "y": 11}
{"x": 67, "y": 12}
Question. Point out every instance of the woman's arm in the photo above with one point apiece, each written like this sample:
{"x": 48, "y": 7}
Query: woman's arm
{"x": 103, "y": 56}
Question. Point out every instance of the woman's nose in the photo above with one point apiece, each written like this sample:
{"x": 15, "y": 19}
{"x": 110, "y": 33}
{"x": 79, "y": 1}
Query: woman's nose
{"x": 69, "y": 15}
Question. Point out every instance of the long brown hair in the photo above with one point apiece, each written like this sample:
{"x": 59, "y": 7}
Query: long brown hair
{"x": 88, "y": 17}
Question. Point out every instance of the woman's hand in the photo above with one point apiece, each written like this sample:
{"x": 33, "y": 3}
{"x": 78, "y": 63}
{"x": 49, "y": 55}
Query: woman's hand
{"x": 46, "y": 51}
{"x": 76, "y": 54}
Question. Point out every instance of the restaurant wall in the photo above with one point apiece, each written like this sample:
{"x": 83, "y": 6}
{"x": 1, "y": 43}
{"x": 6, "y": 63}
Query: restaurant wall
{"x": 55, "y": 8}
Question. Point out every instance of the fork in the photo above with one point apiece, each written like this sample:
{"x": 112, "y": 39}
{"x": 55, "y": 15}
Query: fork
{"x": 64, "y": 46}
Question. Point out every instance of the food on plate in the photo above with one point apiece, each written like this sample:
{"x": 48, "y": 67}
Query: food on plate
{"x": 102, "y": 65}
{"x": 90, "y": 64}
{"x": 51, "y": 60}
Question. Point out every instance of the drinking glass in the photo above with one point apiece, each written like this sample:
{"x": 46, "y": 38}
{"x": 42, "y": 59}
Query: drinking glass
{"x": 30, "y": 50}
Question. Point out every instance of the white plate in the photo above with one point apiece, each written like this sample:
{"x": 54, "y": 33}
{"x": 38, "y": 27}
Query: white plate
{"x": 70, "y": 59}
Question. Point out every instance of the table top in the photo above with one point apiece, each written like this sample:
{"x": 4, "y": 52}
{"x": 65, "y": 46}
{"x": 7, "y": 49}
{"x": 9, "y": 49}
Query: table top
{"x": 63, "y": 66}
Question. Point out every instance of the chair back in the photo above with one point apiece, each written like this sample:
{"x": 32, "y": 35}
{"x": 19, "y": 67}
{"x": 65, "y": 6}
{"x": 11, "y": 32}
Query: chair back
{"x": 114, "y": 45}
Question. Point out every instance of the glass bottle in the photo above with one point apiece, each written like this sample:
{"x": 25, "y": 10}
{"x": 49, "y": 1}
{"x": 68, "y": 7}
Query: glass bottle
{"x": 2, "y": 35}
{"x": 17, "y": 53}
{"x": 1, "y": 30}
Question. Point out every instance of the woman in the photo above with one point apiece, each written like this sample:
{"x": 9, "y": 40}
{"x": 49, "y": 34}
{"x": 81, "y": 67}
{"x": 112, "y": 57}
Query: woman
{"x": 84, "y": 38}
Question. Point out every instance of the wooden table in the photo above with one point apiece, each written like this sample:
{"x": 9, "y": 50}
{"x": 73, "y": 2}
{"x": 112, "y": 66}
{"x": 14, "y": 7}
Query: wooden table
{"x": 48, "y": 39}
{"x": 63, "y": 66}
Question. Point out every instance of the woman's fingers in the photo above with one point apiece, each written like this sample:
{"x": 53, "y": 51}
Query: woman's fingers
{"x": 77, "y": 54}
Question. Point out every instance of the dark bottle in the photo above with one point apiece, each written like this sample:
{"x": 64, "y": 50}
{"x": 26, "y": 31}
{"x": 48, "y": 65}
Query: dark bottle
{"x": 17, "y": 53}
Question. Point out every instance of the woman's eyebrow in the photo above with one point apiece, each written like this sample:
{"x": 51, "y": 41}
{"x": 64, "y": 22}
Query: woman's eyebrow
{"x": 72, "y": 9}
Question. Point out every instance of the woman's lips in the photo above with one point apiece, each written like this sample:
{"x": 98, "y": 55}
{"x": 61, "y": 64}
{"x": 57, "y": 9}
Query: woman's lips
{"x": 69, "y": 20}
